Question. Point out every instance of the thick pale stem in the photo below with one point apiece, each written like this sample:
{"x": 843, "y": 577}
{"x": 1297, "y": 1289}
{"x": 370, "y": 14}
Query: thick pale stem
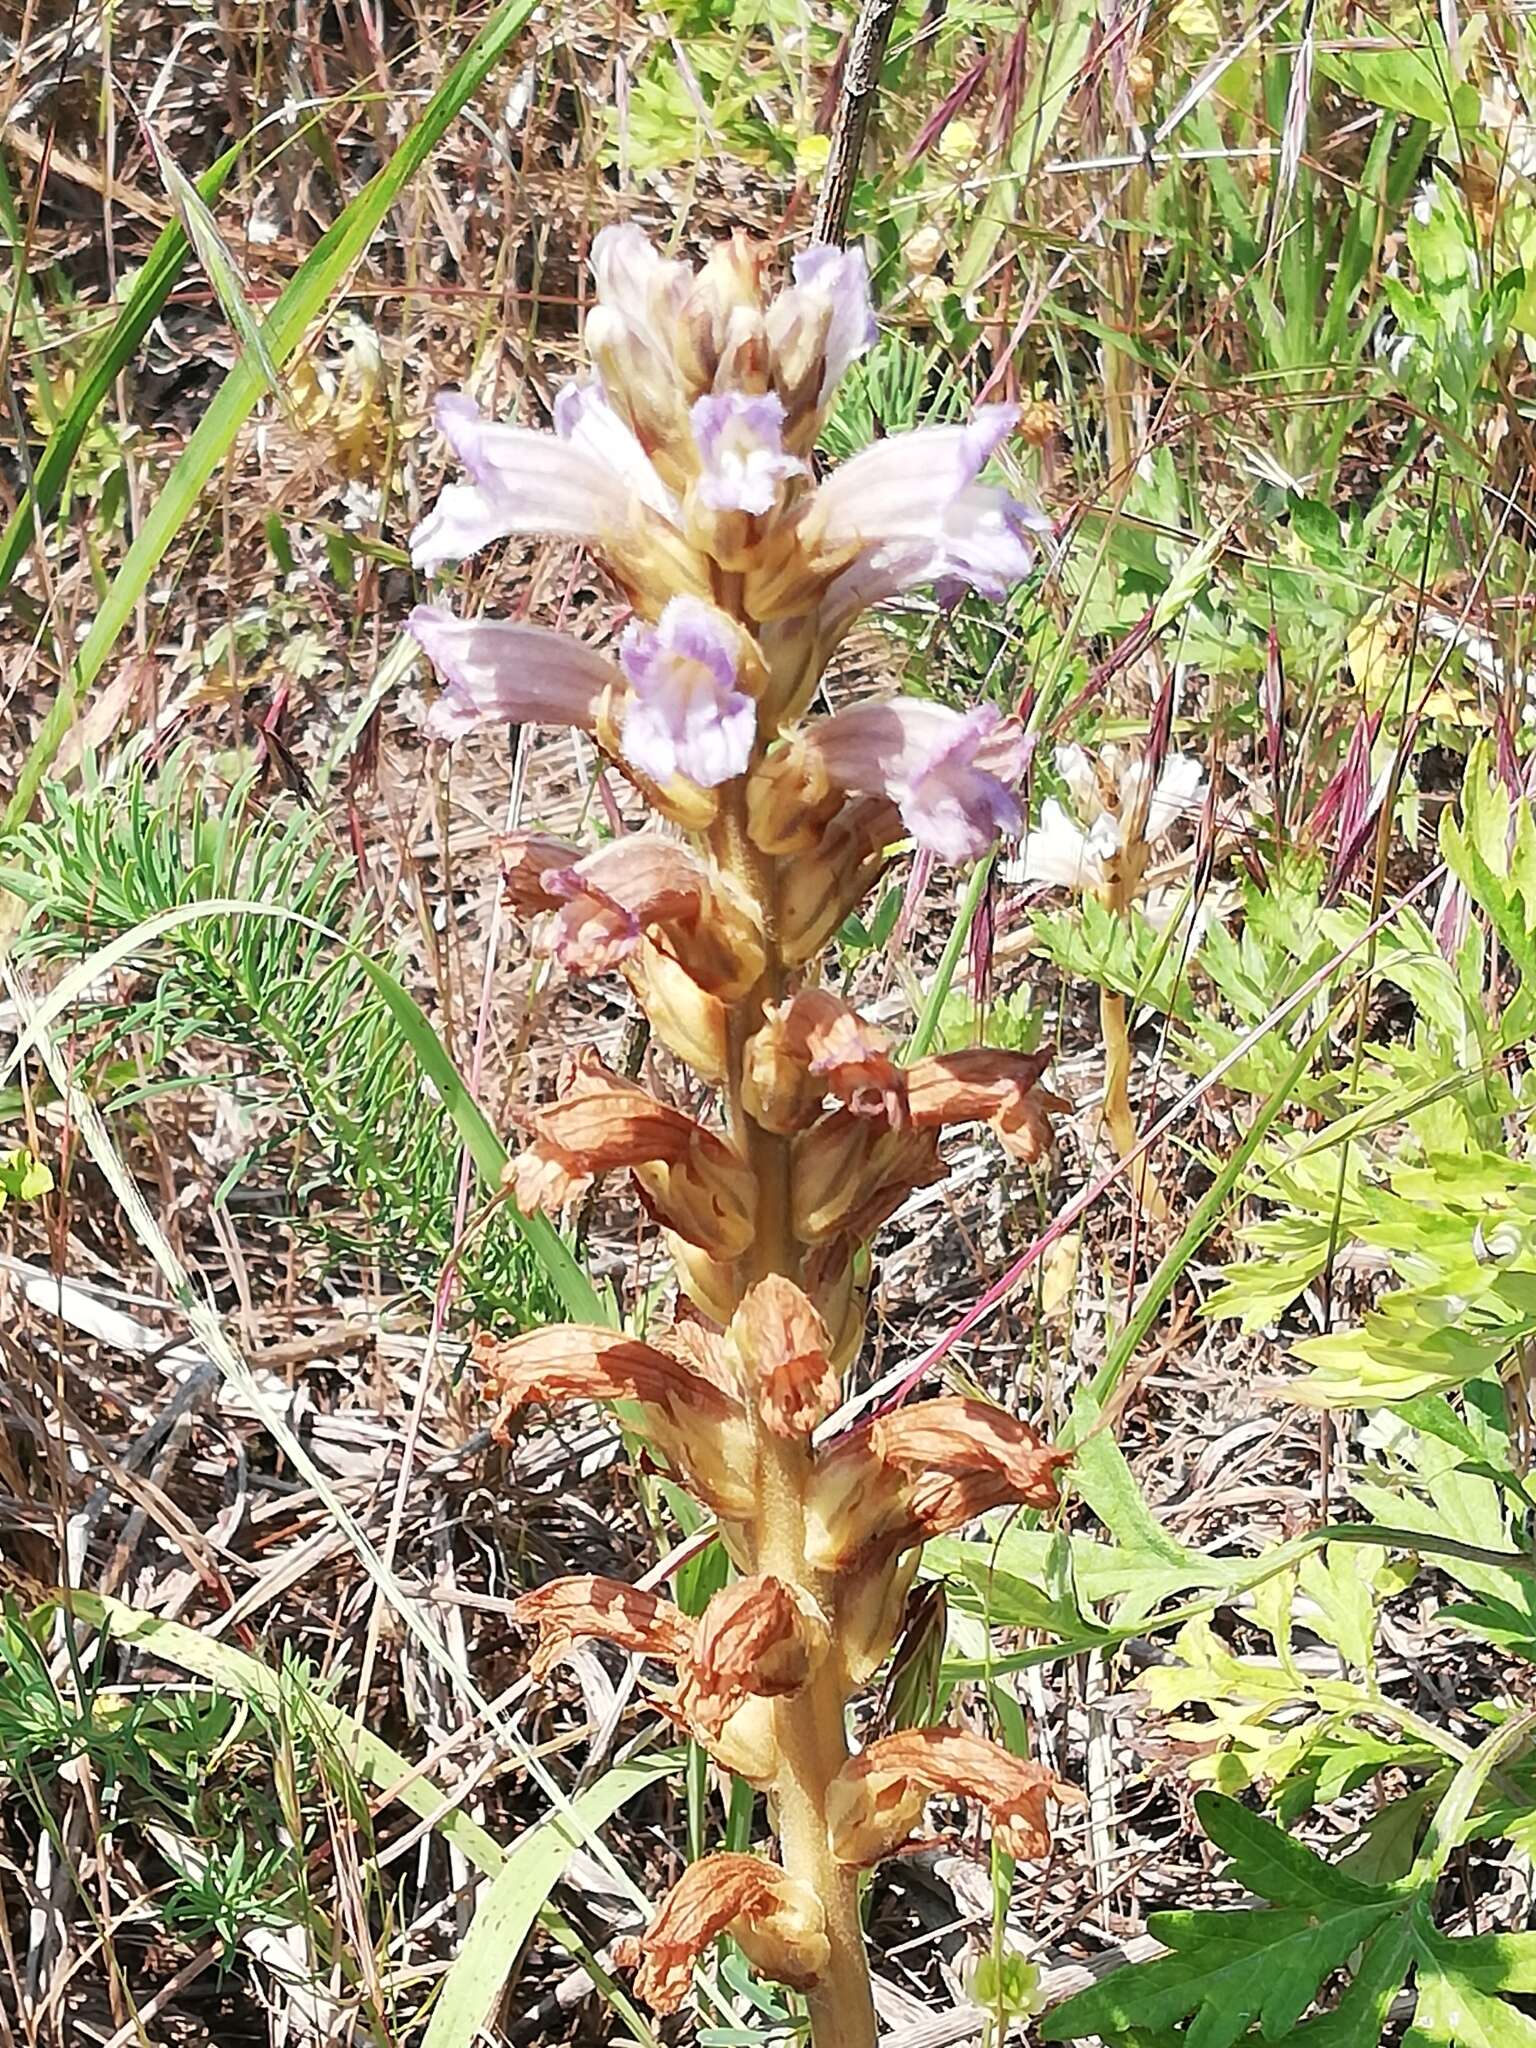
{"x": 811, "y": 1725}
{"x": 1118, "y": 1120}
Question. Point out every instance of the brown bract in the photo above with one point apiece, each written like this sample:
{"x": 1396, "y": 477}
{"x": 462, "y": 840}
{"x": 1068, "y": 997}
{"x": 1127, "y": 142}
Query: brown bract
{"x": 782, "y": 1350}
{"x": 982, "y": 1085}
{"x": 920, "y": 1472}
{"x": 574, "y": 1610}
{"x": 817, "y": 893}
{"x": 877, "y": 1799}
{"x": 812, "y": 1046}
{"x": 754, "y": 1639}
{"x": 777, "y": 1921}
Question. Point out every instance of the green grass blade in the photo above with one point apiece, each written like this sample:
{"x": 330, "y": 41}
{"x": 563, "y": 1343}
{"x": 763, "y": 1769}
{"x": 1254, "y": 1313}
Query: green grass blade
{"x": 583, "y": 1304}
{"x": 505, "y": 1916}
{"x": 218, "y": 265}
{"x": 247, "y": 1678}
{"x": 308, "y": 293}
{"x": 153, "y": 286}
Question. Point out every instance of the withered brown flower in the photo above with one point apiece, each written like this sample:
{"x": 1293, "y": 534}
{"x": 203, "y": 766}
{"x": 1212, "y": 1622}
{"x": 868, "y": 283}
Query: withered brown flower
{"x": 643, "y": 886}
{"x": 921, "y": 1471}
{"x": 979, "y": 1084}
{"x": 755, "y": 1639}
{"x": 782, "y": 1350}
{"x": 877, "y": 1799}
{"x": 689, "y": 1421}
{"x": 777, "y": 1920}
{"x": 812, "y": 1046}
{"x": 852, "y": 1172}
{"x": 691, "y": 1179}
{"x": 577, "y": 1609}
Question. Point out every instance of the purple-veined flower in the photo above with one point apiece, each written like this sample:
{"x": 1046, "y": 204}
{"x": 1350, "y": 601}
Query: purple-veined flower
{"x": 496, "y": 672}
{"x": 687, "y": 714}
{"x": 947, "y": 772}
{"x": 579, "y": 483}
{"x": 914, "y": 509}
{"x": 742, "y": 463}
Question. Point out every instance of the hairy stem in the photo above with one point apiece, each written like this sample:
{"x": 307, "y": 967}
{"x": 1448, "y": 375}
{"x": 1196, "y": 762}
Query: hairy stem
{"x": 811, "y": 1725}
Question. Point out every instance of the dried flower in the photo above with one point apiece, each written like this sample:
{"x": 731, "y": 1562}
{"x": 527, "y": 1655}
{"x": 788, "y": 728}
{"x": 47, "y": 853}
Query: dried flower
{"x": 685, "y": 1418}
{"x": 574, "y": 1610}
{"x": 755, "y": 1639}
{"x": 878, "y": 1797}
{"x": 693, "y": 1180}
{"x": 781, "y": 1346}
{"x": 643, "y": 886}
{"x": 688, "y": 715}
{"x": 920, "y": 1472}
{"x": 498, "y": 673}
{"x": 812, "y": 1046}
{"x": 777, "y": 1921}
{"x": 979, "y": 1083}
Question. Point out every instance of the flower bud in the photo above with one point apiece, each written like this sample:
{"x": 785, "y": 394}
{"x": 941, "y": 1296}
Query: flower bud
{"x": 780, "y": 1345}
{"x": 777, "y": 1922}
{"x": 724, "y": 306}
{"x": 878, "y": 1797}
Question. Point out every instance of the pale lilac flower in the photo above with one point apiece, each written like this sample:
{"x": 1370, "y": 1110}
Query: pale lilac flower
{"x": 913, "y": 507}
{"x": 687, "y": 715}
{"x": 948, "y": 772}
{"x": 645, "y": 289}
{"x": 740, "y": 439}
{"x": 496, "y": 672}
{"x": 584, "y": 418}
{"x": 524, "y": 481}
{"x": 838, "y": 279}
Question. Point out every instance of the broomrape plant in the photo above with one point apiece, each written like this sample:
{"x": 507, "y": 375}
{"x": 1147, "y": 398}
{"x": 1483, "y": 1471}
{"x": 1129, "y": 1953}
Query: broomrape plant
{"x": 685, "y": 463}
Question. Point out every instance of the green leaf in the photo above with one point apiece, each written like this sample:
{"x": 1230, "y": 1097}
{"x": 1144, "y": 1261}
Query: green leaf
{"x": 506, "y": 1915}
{"x": 1270, "y": 1862}
{"x": 302, "y": 301}
{"x": 1229, "y": 1969}
{"x": 218, "y": 265}
{"x": 1453, "y": 2013}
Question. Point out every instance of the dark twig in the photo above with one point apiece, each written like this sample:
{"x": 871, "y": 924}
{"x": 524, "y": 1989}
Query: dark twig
{"x": 861, "y": 81}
